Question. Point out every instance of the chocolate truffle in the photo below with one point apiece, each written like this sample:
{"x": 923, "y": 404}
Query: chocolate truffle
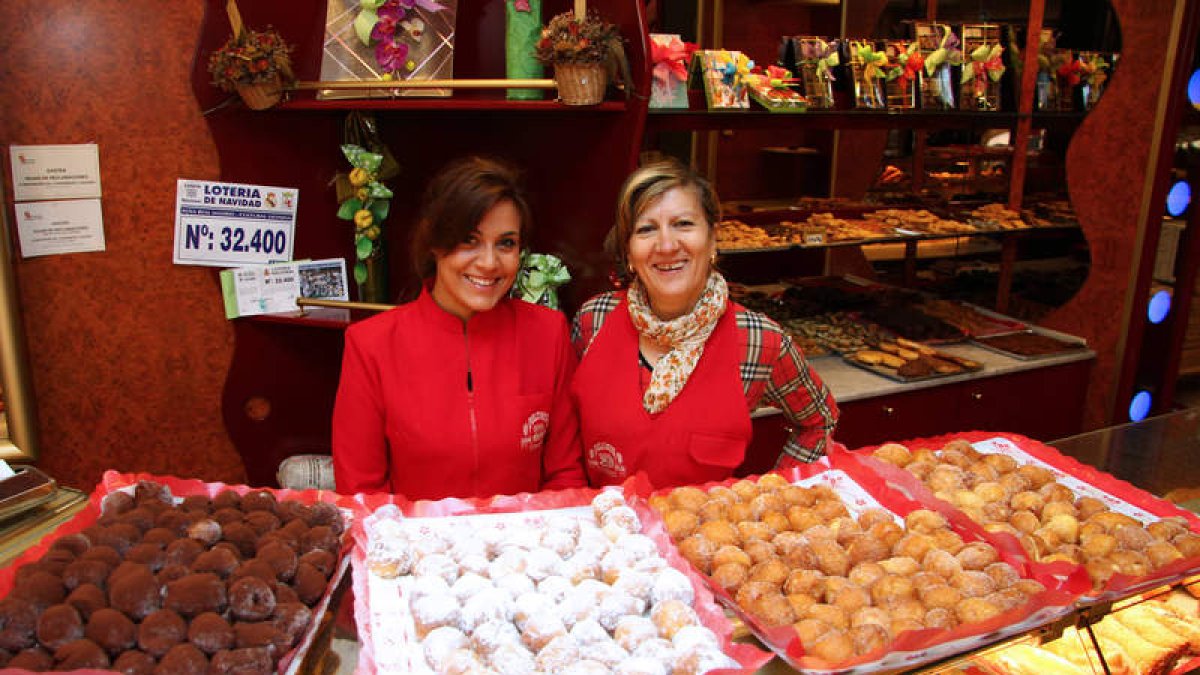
{"x": 256, "y": 633}
{"x": 210, "y": 633}
{"x": 18, "y": 624}
{"x": 112, "y": 630}
{"x": 173, "y": 521}
{"x": 150, "y": 555}
{"x": 227, "y": 499}
{"x": 242, "y": 536}
{"x": 80, "y": 654}
{"x": 159, "y": 535}
{"x": 35, "y": 659}
{"x": 183, "y": 659}
{"x": 219, "y": 561}
{"x": 86, "y": 599}
{"x": 309, "y": 584}
{"x": 227, "y": 516}
{"x": 262, "y": 521}
{"x": 293, "y": 530}
{"x": 149, "y": 492}
{"x": 230, "y": 547}
{"x": 119, "y": 536}
{"x": 134, "y": 662}
{"x": 196, "y": 594}
{"x": 281, "y": 558}
{"x": 141, "y": 517}
{"x": 137, "y": 593}
{"x": 285, "y": 593}
{"x": 320, "y": 537}
{"x": 59, "y": 625}
{"x": 161, "y": 631}
{"x": 116, "y": 503}
{"x": 324, "y": 561}
{"x": 258, "y": 500}
{"x": 85, "y": 572}
{"x": 251, "y": 599}
{"x": 196, "y": 503}
{"x": 183, "y": 551}
{"x": 289, "y": 509}
{"x": 239, "y": 661}
{"x": 105, "y": 554}
{"x": 324, "y": 513}
{"x": 40, "y": 589}
{"x": 291, "y": 619}
{"x": 254, "y": 568}
{"x": 206, "y": 531}
{"x": 55, "y": 562}
{"x": 170, "y": 573}
{"x": 76, "y": 543}
{"x": 127, "y": 567}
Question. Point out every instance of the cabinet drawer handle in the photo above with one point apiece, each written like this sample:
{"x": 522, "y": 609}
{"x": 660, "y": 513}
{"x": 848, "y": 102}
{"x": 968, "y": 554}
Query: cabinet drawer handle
{"x": 889, "y": 410}
{"x": 978, "y": 396}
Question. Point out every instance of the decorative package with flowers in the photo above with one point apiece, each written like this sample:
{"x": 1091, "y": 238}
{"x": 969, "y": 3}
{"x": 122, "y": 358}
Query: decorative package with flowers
{"x": 385, "y": 40}
{"x": 903, "y": 74}
{"x": 724, "y": 74}
{"x": 1094, "y": 68}
{"x": 870, "y": 68}
{"x": 939, "y": 48}
{"x": 816, "y": 58}
{"x": 1048, "y": 95}
{"x": 669, "y": 58}
{"x": 774, "y": 90}
{"x": 982, "y": 67}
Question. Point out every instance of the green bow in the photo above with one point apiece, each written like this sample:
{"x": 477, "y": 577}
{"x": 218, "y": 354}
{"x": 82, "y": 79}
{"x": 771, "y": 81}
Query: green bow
{"x": 370, "y": 197}
{"x": 540, "y": 275}
{"x": 984, "y": 60}
{"x": 873, "y": 62}
{"x": 946, "y": 53}
{"x": 825, "y": 65}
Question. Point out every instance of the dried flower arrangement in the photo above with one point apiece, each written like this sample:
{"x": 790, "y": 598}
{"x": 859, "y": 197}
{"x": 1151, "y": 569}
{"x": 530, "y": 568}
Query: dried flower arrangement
{"x": 565, "y": 40}
{"x": 251, "y": 57}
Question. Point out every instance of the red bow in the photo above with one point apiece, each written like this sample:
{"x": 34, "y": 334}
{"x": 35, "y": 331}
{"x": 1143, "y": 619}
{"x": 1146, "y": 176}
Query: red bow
{"x": 912, "y": 67}
{"x": 670, "y": 60}
{"x": 1069, "y": 72}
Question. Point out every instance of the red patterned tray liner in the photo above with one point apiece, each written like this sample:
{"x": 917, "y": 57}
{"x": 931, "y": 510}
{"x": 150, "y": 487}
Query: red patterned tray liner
{"x": 751, "y": 658}
{"x": 113, "y": 481}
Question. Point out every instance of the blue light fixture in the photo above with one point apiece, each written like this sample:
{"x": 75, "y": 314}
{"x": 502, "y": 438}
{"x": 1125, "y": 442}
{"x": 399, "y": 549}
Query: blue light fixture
{"x": 1139, "y": 407}
{"x": 1179, "y": 198}
{"x": 1159, "y": 306}
{"x": 1193, "y": 90}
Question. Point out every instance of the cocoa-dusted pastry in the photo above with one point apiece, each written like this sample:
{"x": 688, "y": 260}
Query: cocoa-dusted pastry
{"x": 159, "y": 535}
{"x": 150, "y": 555}
{"x": 321, "y": 537}
{"x": 140, "y": 517}
{"x": 33, "y": 659}
{"x": 116, "y": 503}
{"x": 251, "y": 598}
{"x": 262, "y": 521}
{"x": 76, "y": 544}
{"x": 218, "y": 560}
{"x": 79, "y": 654}
{"x": 291, "y": 619}
{"x": 183, "y": 659}
{"x": 323, "y": 561}
{"x": 86, "y": 599}
{"x": 242, "y": 536}
{"x": 127, "y": 567}
{"x": 58, "y": 625}
{"x": 151, "y": 494}
{"x": 40, "y": 589}
{"x": 196, "y": 594}
{"x": 85, "y": 572}
{"x": 226, "y": 499}
{"x": 238, "y": 661}
{"x": 170, "y": 573}
{"x": 256, "y": 634}
{"x": 161, "y": 631}
{"x": 205, "y": 531}
{"x": 119, "y": 535}
{"x": 284, "y": 593}
{"x": 324, "y": 513}
{"x": 136, "y": 592}
{"x": 257, "y": 568}
{"x": 228, "y": 515}
{"x": 258, "y": 500}
{"x": 105, "y": 554}
{"x": 18, "y": 624}
{"x": 196, "y": 503}
{"x": 173, "y": 521}
{"x": 287, "y": 537}
{"x": 280, "y": 557}
{"x": 112, "y": 630}
{"x": 295, "y": 527}
{"x": 210, "y": 633}
{"x": 309, "y": 584}
{"x": 134, "y": 662}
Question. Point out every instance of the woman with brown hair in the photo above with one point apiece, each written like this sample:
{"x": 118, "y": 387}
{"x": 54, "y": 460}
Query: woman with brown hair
{"x": 464, "y": 391}
{"x": 671, "y": 368}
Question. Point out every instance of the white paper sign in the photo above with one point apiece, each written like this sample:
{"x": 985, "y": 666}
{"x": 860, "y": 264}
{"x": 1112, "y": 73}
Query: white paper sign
{"x": 47, "y": 228}
{"x": 272, "y": 289}
{"x": 232, "y": 224}
{"x": 55, "y": 171}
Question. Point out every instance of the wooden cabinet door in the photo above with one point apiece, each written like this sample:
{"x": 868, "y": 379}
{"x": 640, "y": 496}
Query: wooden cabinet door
{"x": 926, "y": 412}
{"x": 1045, "y": 404}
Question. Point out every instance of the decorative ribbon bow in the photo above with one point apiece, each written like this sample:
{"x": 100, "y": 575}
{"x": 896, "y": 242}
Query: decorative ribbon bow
{"x": 1070, "y": 72}
{"x": 539, "y": 278}
{"x": 985, "y": 62}
{"x": 873, "y": 62}
{"x": 823, "y": 53}
{"x": 734, "y": 69}
{"x": 1093, "y": 70}
{"x": 367, "y": 206}
{"x": 670, "y": 60}
{"x": 908, "y": 65}
{"x": 947, "y": 52}
{"x": 778, "y": 78}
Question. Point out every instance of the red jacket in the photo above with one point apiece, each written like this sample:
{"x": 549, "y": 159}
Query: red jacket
{"x": 430, "y": 408}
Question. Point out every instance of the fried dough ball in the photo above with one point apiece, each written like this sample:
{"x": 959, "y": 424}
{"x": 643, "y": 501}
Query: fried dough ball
{"x": 772, "y": 481}
{"x": 913, "y": 545}
{"x": 981, "y": 472}
{"x": 893, "y": 453}
{"x": 910, "y": 609}
{"x": 670, "y": 616}
{"x": 1024, "y": 521}
{"x": 808, "y": 630}
{"x": 737, "y": 512}
{"x": 802, "y": 518}
{"x": 866, "y": 573}
{"x": 803, "y": 581}
{"x": 967, "y": 501}
{"x": 681, "y": 523}
{"x": 1063, "y": 525}
{"x": 698, "y": 550}
{"x": 977, "y": 555}
{"x": 730, "y": 576}
{"x": 1133, "y": 537}
{"x": 776, "y": 521}
{"x": 1098, "y": 545}
{"x": 1027, "y": 501}
{"x": 845, "y": 529}
{"x": 829, "y": 509}
{"x": 973, "y": 584}
{"x": 821, "y": 531}
{"x": 941, "y": 562}
{"x": 773, "y": 609}
{"x": 923, "y": 580}
{"x": 940, "y": 617}
{"x": 765, "y": 503}
{"x": 1111, "y": 520}
{"x": 834, "y": 646}
{"x": 752, "y": 590}
{"x": 795, "y": 495}
{"x": 1188, "y": 544}
{"x": 948, "y": 540}
{"x": 687, "y": 498}
{"x": 731, "y": 554}
{"x": 773, "y": 571}
{"x": 1003, "y": 574}
{"x": 891, "y": 590}
{"x": 714, "y": 510}
{"x": 955, "y": 457}
{"x": 800, "y": 602}
{"x": 944, "y": 596}
{"x": 1036, "y": 475}
{"x": 832, "y": 559}
{"x": 759, "y": 550}
{"x": 1057, "y": 508}
{"x": 990, "y": 491}
{"x": 946, "y": 478}
{"x": 902, "y": 566}
{"x": 829, "y": 614}
{"x": 745, "y": 489}
{"x": 660, "y": 503}
{"x": 921, "y": 469}
{"x": 865, "y": 548}
{"x": 996, "y": 512}
{"x": 751, "y": 529}
{"x": 1100, "y": 570}
{"x": 720, "y": 533}
{"x": 888, "y": 533}
{"x": 1014, "y": 483}
{"x": 1086, "y": 507}
{"x": 974, "y": 610}
{"x": 1057, "y": 492}
{"x": 1001, "y": 463}
{"x": 850, "y": 598}
{"x": 871, "y": 615}
{"x": 1132, "y": 563}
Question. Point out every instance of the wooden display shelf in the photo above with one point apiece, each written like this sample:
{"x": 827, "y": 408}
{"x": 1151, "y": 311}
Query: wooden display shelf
{"x": 466, "y": 103}
{"x": 705, "y": 120}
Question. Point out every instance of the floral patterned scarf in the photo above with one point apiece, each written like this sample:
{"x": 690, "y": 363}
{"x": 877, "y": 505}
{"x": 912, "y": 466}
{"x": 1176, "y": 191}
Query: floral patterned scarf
{"x": 684, "y": 337}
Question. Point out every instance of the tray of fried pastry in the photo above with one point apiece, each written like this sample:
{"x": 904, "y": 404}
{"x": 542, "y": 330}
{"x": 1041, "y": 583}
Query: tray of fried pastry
{"x": 908, "y": 361}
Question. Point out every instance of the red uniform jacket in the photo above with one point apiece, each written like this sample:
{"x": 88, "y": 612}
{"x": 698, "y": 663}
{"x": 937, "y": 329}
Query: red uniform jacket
{"x": 430, "y": 408}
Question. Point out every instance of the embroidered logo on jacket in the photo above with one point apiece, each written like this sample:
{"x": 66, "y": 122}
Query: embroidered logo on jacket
{"x": 604, "y": 458}
{"x": 533, "y": 434}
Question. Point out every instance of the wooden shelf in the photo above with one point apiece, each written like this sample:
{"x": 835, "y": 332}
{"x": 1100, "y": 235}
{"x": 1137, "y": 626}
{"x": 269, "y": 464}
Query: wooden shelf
{"x": 705, "y": 120}
{"x": 451, "y": 103}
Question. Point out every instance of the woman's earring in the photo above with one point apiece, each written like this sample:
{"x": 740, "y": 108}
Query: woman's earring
{"x": 713, "y": 259}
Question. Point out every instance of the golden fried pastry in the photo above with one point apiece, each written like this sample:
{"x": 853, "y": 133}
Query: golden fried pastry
{"x": 904, "y": 625}
{"x": 773, "y": 571}
{"x": 850, "y": 598}
{"x": 991, "y": 491}
{"x": 923, "y": 580}
{"x": 730, "y": 576}
{"x": 1149, "y": 627}
{"x": 794, "y": 495}
{"x": 1057, "y": 508}
{"x": 888, "y": 533}
{"x": 845, "y": 529}
{"x": 802, "y": 518}
{"x": 871, "y": 615}
{"x": 687, "y": 498}
{"x": 829, "y": 509}
{"x": 924, "y": 521}
{"x": 973, "y": 584}
{"x": 834, "y": 646}
{"x": 776, "y": 521}
{"x": 948, "y": 540}
{"x": 731, "y": 554}
{"x": 1057, "y": 492}
{"x": 680, "y": 523}
{"x": 941, "y": 562}
{"x": 821, "y": 531}
{"x": 956, "y": 458}
{"x": 1003, "y": 574}
{"x": 722, "y": 493}
{"x": 752, "y": 529}
{"x": 1168, "y": 528}
{"x": 866, "y": 573}
{"x": 745, "y": 489}
{"x": 800, "y": 556}
{"x": 996, "y": 512}
{"x": 940, "y": 617}
{"x": 670, "y": 616}
{"x": 1188, "y": 544}
{"x": 1036, "y": 475}
{"x": 1086, "y": 507}
{"x": 1014, "y": 483}
{"x": 1027, "y": 501}
{"x": 974, "y": 610}
{"x": 893, "y": 453}
{"x": 1001, "y": 463}
{"x": 1174, "y": 622}
{"x": 1133, "y": 537}
{"x": 944, "y": 596}
{"x": 720, "y": 533}
{"x": 832, "y": 559}
{"x": 738, "y": 511}
{"x": 698, "y": 550}
{"x": 1063, "y": 525}
{"x": 920, "y": 469}
{"x": 714, "y": 510}
{"x": 982, "y": 472}
{"x": 963, "y": 446}
{"x": 752, "y": 591}
{"x": 800, "y": 602}
{"x": 660, "y": 503}
{"x": 1162, "y": 553}
{"x": 869, "y": 638}
{"x": 772, "y": 610}
{"x": 1002, "y": 527}
{"x": 913, "y": 545}
{"x": 977, "y": 555}
{"x": 808, "y": 630}
{"x": 759, "y": 550}
{"x": 1132, "y": 563}
{"x": 1100, "y": 570}
{"x": 772, "y": 481}
{"x": 900, "y": 565}
{"x": 1098, "y": 545}
{"x": 1068, "y": 552}
{"x": 870, "y": 517}
{"x": 1025, "y": 659}
{"x": 865, "y": 548}
{"x": 766, "y": 502}
{"x": 1148, "y": 656}
{"x": 1006, "y": 599}
{"x": 1111, "y": 520}
{"x": 946, "y": 478}
{"x": 830, "y": 614}
{"x": 892, "y": 589}
{"x": 1024, "y": 521}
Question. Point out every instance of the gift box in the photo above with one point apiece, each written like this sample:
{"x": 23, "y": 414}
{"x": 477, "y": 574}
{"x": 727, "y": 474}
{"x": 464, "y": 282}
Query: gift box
{"x": 982, "y": 67}
{"x": 816, "y": 58}
{"x": 522, "y": 30}
{"x": 723, "y": 73}
{"x": 869, "y": 66}
{"x": 939, "y": 49}
{"x": 774, "y": 90}
{"x": 1094, "y": 68}
{"x": 372, "y": 40}
{"x": 903, "y": 73}
{"x": 669, "y": 56}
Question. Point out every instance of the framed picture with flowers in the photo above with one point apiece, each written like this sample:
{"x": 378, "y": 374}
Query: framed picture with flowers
{"x": 387, "y": 40}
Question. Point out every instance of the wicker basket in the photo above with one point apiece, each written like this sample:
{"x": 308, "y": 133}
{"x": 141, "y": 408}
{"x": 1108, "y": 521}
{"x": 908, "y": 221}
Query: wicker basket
{"x": 580, "y": 83}
{"x": 261, "y": 95}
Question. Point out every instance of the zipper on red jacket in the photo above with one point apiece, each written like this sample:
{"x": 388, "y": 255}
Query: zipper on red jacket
{"x": 471, "y": 416}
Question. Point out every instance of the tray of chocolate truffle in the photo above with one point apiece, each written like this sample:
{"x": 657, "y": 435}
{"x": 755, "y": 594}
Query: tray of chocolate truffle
{"x": 570, "y": 583}
{"x": 175, "y": 576}
{"x": 837, "y": 573}
{"x": 1067, "y": 518}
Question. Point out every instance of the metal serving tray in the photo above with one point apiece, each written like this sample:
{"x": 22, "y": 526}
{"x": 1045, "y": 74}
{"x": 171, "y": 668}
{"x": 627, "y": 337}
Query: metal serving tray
{"x": 27, "y": 489}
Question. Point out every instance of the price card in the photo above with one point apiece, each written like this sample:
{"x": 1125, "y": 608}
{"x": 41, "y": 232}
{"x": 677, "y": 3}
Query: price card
{"x": 233, "y": 224}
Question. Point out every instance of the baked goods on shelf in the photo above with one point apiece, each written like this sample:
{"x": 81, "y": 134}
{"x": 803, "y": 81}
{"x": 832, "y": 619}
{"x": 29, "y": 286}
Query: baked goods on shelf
{"x": 919, "y": 220}
{"x": 907, "y": 360}
{"x": 997, "y": 217}
{"x": 1029, "y": 344}
{"x": 537, "y": 590}
{"x": 198, "y": 585}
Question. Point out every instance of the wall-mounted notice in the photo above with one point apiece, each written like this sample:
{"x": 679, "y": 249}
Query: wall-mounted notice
{"x": 46, "y": 228}
{"x": 55, "y": 171}
{"x": 233, "y": 224}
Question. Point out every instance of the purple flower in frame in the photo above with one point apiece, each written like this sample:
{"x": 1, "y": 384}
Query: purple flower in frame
{"x": 390, "y": 15}
{"x": 391, "y": 55}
